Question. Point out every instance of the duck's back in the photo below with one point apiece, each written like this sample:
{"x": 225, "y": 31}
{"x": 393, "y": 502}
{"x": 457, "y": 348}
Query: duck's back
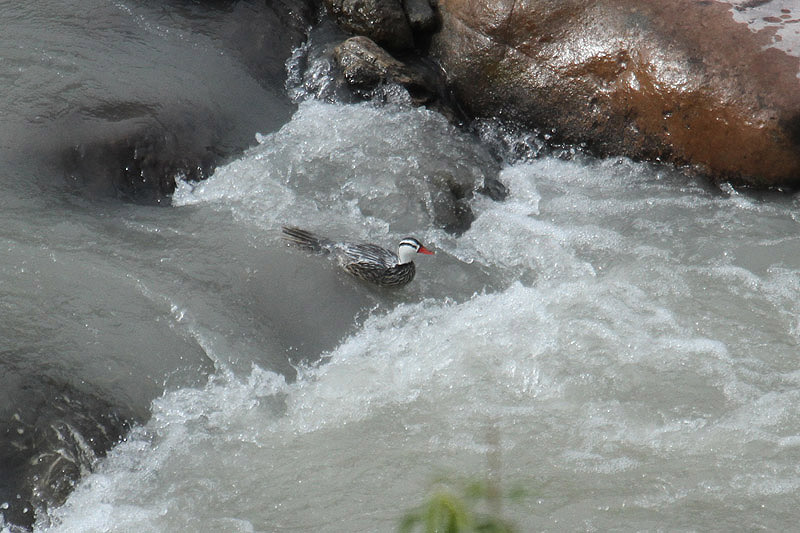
{"x": 369, "y": 254}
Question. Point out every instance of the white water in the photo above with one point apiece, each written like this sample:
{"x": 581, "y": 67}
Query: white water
{"x": 779, "y": 18}
{"x": 627, "y": 335}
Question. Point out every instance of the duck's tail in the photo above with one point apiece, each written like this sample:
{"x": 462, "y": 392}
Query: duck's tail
{"x": 305, "y": 240}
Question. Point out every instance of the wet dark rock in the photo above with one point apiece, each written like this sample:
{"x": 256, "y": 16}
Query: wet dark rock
{"x": 450, "y": 195}
{"x": 449, "y": 202}
{"x": 313, "y": 72}
{"x": 494, "y": 189}
{"x": 673, "y": 81}
{"x": 420, "y": 14}
{"x": 50, "y": 434}
{"x": 383, "y": 21}
{"x": 365, "y": 66}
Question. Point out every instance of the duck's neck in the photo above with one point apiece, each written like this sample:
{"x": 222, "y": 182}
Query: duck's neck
{"x": 405, "y": 254}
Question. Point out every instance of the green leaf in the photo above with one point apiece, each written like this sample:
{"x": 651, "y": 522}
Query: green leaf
{"x": 409, "y": 522}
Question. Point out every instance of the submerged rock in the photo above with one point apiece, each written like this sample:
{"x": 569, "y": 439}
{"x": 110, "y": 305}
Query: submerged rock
{"x": 50, "y": 435}
{"x": 449, "y": 202}
{"x": 677, "y": 81}
{"x": 148, "y": 123}
{"x": 141, "y": 165}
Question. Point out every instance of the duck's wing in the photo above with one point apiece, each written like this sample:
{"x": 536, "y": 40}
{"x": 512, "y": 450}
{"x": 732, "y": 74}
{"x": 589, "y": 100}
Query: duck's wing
{"x": 367, "y": 254}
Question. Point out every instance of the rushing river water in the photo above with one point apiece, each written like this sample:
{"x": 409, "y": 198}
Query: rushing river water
{"x": 616, "y": 338}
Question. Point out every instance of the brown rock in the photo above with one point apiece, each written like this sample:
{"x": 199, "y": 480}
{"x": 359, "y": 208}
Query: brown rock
{"x": 678, "y": 81}
{"x": 365, "y": 65}
{"x": 383, "y": 21}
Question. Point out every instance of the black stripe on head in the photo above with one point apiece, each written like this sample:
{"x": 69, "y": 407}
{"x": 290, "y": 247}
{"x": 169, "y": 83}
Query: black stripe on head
{"x": 411, "y": 241}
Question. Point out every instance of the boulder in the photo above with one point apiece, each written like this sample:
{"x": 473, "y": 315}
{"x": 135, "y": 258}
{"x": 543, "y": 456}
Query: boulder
{"x": 679, "y": 81}
{"x": 420, "y": 15}
{"x": 383, "y": 21}
{"x": 365, "y": 66}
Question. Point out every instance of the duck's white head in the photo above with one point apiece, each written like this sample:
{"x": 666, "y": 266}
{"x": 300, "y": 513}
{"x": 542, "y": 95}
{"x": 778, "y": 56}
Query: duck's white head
{"x": 408, "y": 248}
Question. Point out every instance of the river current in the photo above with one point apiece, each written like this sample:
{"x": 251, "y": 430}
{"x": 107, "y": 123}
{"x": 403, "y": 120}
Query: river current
{"x": 617, "y": 338}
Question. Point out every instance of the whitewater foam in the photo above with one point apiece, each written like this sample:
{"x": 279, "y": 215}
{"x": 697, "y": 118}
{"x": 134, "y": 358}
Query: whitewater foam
{"x": 380, "y": 166}
{"x": 414, "y": 391}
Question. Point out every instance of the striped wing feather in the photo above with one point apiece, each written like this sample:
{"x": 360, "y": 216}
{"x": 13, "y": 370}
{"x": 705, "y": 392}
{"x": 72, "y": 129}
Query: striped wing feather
{"x": 368, "y": 253}
{"x": 386, "y": 277}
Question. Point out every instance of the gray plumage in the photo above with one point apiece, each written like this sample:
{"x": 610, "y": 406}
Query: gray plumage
{"x": 365, "y": 261}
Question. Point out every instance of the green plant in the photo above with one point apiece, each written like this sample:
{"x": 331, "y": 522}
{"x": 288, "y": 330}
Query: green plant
{"x": 476, "y": 509}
